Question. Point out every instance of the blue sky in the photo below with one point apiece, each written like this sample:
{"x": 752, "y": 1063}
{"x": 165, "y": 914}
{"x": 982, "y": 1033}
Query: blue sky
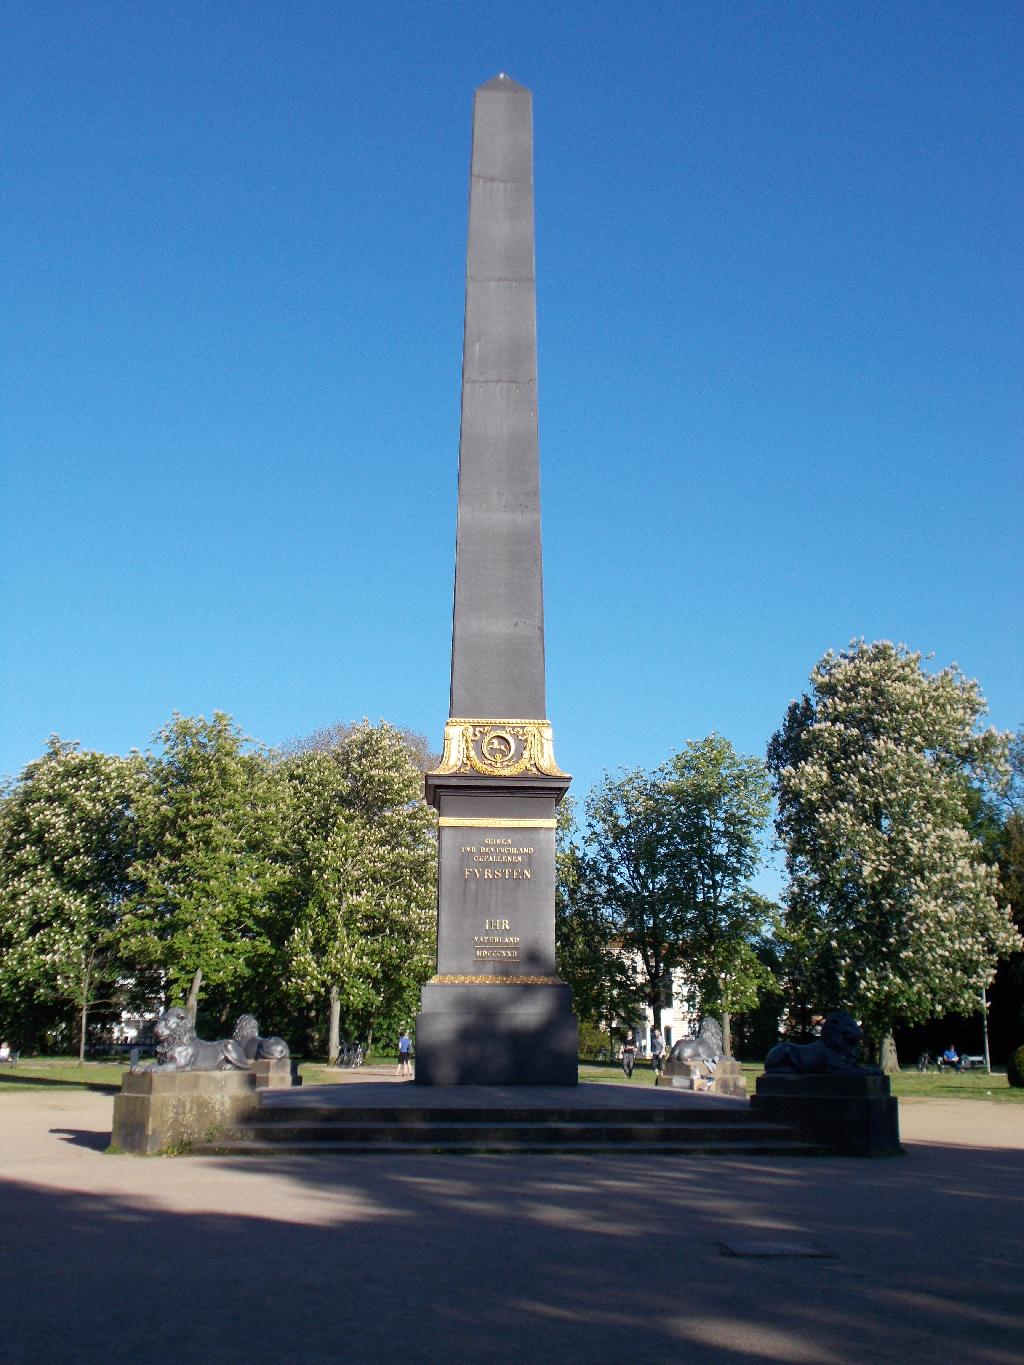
{"x": 780, "y": 342}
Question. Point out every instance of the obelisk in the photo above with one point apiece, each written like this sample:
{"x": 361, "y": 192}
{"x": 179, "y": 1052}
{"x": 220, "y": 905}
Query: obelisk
{"x": 496, "y": 1012}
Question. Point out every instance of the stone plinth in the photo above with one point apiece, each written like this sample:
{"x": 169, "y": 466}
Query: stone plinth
{"x": 851, "y": 1114}
{"x": 683, "y": 1076}
{"x": 491, "y": 1034}
{"x": 276, "y": 1073}
{"x": 724, "y": 1078}
{"x": 729, "y": 1078}
{"x": 160, "y": 1111}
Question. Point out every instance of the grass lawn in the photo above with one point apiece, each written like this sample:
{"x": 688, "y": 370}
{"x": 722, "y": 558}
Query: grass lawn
{"x": 955, "y": 1085}
{"x": 909, "y": 1084}
{"x": 64, "y": 1073}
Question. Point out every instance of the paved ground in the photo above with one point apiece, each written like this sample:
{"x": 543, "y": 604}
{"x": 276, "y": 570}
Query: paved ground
{"x": 119, "y": 1260}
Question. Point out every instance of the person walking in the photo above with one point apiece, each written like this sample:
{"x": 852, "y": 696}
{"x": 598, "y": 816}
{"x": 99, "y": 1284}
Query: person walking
{"x": 657, "y": 1050}
{"x": 404, "y": 1054}
{"x": 628, "y": 1055}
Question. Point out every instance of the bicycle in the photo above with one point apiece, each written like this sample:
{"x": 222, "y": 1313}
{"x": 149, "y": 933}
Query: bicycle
{"x": 351, "y": 1055}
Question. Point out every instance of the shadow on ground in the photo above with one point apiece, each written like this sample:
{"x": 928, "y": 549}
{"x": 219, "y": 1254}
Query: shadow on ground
{"x": 523, "y": 1259}
{"x": 83, "y": 1137}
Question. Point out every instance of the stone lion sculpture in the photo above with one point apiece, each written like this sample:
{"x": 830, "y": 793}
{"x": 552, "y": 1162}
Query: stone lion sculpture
{"x": 833, "y": 1054}
{"x": 247, "y": 1036}
{"x": 178, "y": 1048}
{"x": 708, "y": 1046}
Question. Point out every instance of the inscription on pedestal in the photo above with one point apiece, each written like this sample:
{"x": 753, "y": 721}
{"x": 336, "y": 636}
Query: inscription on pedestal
{"x": 496, "y": 860}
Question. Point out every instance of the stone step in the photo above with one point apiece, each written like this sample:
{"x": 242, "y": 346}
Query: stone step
{"x": 668, "y": 1115}
{"x": 454, "y": 1130}
{"x": 734, "y": 1146}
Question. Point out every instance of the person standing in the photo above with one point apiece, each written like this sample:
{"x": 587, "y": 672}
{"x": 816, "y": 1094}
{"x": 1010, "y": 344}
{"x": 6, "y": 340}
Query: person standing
{"x": 628, "y": 1055}
{"x": 657, "y": 1050}
{"x": 404, "y": 1054}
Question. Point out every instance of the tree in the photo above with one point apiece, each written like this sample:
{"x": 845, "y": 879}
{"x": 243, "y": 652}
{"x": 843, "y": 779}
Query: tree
{"x": 1003, "y": 826}
{"x": 589, "y": 959}
{"x": 330, "y": 737}
{"x": 721, "y": 802}
{"x": 363, "y": 879}
{"x": 891, "y": 910}
{"x": 66, "y": 843}
{"x": 211, "y": 828}
{"x": 669, "y": 857}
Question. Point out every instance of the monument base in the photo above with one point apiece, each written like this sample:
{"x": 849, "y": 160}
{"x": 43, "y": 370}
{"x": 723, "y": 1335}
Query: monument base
{"x": 851, "y": 1114}
{"x": 165, "y": 1111}
{"x": 470, "y": 1034}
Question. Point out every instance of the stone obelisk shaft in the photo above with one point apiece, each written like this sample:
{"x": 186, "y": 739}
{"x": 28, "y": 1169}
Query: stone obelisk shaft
{"x": 498, "y": 626}
{"x": 496, "y": 1012}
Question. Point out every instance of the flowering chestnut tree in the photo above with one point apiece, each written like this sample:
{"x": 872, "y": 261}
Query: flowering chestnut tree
{"x": 891, "y": 909}
{"x": 66, "y": 843}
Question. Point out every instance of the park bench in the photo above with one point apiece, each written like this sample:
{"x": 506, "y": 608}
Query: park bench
{"x": 968, "y": 1063}
{"x": 11, "y": 1059}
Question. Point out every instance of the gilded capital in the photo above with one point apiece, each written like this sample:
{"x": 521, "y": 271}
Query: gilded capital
{"x": 498, "y": 748}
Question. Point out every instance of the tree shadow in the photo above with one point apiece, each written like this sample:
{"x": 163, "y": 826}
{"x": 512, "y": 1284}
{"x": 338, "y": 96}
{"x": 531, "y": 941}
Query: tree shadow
{"x": 524, "y": 1258}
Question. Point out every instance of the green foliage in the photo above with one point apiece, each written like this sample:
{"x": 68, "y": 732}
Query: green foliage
{"x": 668, "y": 857}
{"x": 361, "y": 879}
{"x": 66, "y": 841}
{"x": 211, "y": 827}
{"x": 721, "y": 802}
{"x": 272, "y": 877}
{"x": 1007, "y": 852}
{"x": 1015, "y": 1069}
{"x": 595, "y": 1042}
{"x": 891, "y": 910}
{"x": 603, "y": 981}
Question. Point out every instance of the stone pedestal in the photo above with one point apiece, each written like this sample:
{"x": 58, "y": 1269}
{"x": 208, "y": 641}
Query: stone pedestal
{"x": 276, "y": 1073}
{"x": 729, "y": 1079}
{"x": 851, "y": 1114}
{"x": 161, "y": 1111}
{"x": 496, "y": 1034}
{"x": 683, "y": 1076}
{"x": 724, "y": 1078}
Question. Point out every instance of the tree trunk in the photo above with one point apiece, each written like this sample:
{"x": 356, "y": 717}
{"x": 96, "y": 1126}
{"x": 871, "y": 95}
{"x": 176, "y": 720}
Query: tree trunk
{"x": 888, "y": 1060}
{"x": 726, "y": 1033}
{"x": 984, "y": 1031}
{"x": 333, "y": 1028}
{"x": 369, "y": 1041}
{"x": 84, "y": 1013}
{"x": 192, "y": 1003}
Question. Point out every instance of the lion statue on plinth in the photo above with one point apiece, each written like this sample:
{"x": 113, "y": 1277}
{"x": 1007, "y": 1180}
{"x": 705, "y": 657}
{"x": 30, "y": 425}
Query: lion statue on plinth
{"x": 708, "y": 1046}
{"x": 178, "y": 1048}
{"x": 257, "y": 1049}
{"x": 833, "y": 1054}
